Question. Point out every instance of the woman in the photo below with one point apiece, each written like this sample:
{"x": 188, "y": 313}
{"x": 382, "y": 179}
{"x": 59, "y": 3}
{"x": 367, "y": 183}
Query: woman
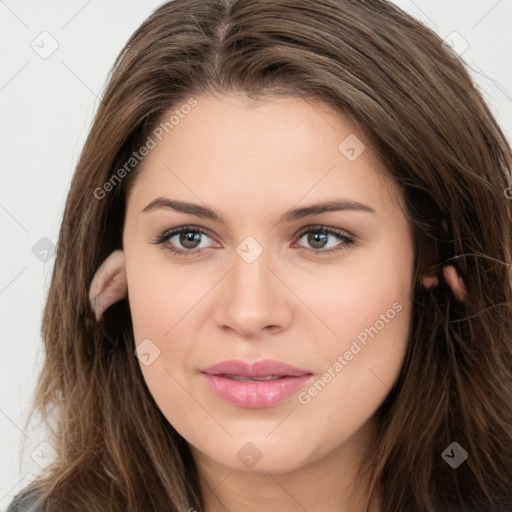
{"x": 339, "y": 337}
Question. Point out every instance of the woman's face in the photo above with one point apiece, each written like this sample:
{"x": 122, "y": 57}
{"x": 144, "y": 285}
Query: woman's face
{"x": 265, "y": 277}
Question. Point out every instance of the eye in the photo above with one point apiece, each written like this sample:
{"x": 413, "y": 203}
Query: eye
{"x": 189, "y": 238}
{"x": 318, "y": 238}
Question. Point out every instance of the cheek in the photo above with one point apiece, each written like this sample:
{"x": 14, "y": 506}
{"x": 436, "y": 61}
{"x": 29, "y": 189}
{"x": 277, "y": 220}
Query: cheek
{"x": 159, "y": 303}
{"x": 160, "y": 297}
{"x": 367, "y": 309}
{"x": 164, "y": 301}
{"x": 348, "y": 301}
{"x": 361, "y": 364}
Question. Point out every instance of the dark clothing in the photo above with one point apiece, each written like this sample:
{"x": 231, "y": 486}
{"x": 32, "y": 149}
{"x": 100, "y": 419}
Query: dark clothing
{"x": 24, "y": 503}
{"x": 29, "y": 503}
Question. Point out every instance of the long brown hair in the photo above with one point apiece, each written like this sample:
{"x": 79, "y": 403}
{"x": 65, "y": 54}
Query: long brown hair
{"x": 415, "y": 100}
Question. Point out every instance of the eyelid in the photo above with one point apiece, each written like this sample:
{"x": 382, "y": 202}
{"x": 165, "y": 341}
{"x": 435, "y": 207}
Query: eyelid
{"x": 323, "y": 227}
{"x": 347, "y": 239}
{"x": 300, "y": 232}
{"x": 169, "y": 233}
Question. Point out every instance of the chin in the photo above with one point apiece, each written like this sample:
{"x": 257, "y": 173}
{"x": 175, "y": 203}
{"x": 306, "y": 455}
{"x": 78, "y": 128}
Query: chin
{"x": 260, "y": 456}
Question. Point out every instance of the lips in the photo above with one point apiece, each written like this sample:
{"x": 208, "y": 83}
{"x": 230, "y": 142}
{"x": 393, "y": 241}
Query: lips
{"x": 258, "y": 385}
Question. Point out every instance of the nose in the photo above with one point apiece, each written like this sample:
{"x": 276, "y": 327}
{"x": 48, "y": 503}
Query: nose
{"x": 253, "y": 299}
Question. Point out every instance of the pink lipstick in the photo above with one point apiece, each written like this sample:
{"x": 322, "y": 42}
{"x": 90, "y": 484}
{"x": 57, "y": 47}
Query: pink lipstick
{"x": 258, "y": 385}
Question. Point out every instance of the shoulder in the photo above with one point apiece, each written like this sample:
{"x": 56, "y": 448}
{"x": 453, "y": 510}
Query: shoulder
{"x": 25, "y": 502}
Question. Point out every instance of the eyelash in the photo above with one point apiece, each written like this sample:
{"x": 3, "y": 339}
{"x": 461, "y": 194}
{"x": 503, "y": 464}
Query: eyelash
{"x": 164, "y": 237}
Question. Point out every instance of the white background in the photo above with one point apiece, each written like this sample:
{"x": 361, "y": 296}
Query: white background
{"x": 47, "y": 106}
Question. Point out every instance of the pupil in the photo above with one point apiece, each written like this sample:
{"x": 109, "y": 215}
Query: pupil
{"x": 189, "y": 238}
{"x": 317, "y": 240}
{"x": 317, "y": 237}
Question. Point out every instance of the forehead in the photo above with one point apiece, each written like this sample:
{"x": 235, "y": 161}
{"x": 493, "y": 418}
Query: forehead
{"x": 231, "y": 151}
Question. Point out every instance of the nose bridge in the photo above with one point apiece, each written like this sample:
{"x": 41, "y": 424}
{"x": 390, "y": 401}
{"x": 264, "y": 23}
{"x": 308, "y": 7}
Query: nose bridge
{"x": 250, "y": 279}
{"x": 252, "y": 296}
{"x": 250, "y": 269}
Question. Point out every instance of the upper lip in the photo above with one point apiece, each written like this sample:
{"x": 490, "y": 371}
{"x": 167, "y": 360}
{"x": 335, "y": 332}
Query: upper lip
{"x": 264, "y": 368}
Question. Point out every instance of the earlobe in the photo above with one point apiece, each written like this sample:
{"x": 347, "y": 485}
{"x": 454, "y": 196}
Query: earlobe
{"x": 429, "y": 281}
{"x": 109, "y": 284}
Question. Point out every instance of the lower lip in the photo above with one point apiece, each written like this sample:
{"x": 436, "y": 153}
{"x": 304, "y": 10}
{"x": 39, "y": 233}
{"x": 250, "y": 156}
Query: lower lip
{"x": 255, "y": 394}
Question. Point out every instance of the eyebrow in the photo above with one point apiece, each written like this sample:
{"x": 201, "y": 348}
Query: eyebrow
{"x": 298, "y": 213}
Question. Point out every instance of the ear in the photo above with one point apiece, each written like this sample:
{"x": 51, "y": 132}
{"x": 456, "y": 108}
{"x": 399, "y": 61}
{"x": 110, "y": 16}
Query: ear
{"x": 429, "y": 281}
{"x": 109, "y": 284}
{"x": 453, "y": 279}
{"x": 455, "y": 282}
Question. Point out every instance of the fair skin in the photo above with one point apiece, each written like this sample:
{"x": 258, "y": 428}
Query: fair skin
{"x": 252, "y": 162}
